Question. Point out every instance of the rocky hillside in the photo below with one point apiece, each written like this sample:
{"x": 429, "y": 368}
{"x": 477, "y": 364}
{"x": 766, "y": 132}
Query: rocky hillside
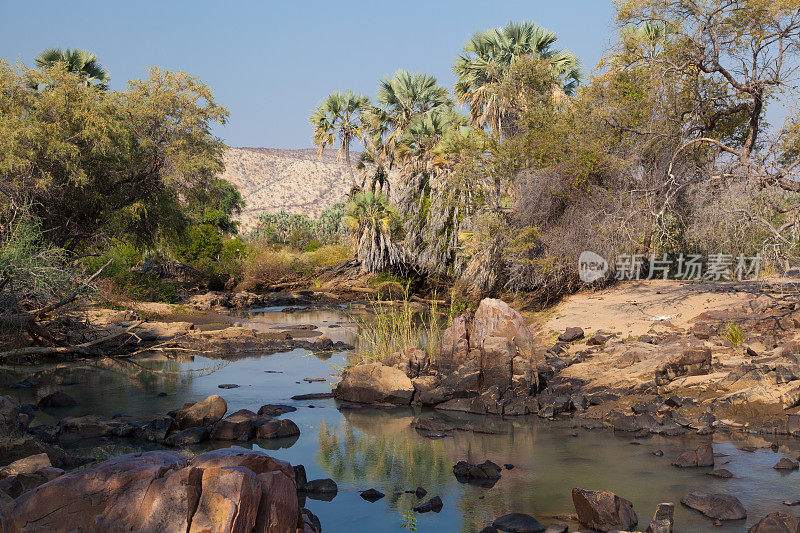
{"x": 298, "y": 181}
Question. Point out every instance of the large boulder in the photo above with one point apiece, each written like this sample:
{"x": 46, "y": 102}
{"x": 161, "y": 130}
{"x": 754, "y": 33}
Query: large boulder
{"x": 716, "y": 506}
{"x": 518, "y": 523}
{"x": 229, "y": 501}
{"x": 454, "y": 344}
{"x": 279, "y": 508}
{"x": 258, "y": 462}
{"x": 239, "y": 426}
{"x": 375, "y": 383}
{"x": 227, "y": 490}
{"x": 603, "y": 510}
{"x": 777, "y": 522}
{"x": 205, "y": 413}
{"x": 496, "y": 319}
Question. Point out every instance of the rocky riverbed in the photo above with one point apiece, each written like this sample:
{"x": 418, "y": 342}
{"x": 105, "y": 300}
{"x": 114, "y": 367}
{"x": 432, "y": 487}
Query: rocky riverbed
{"x": 529, "y": 446}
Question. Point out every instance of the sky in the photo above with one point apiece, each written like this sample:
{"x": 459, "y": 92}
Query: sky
{"x": 271, "y": 62}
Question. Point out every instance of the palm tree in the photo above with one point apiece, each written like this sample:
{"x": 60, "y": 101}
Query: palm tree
{"x": 375, "y": 223}
{"x": 653, "y": 35}
{"x": 82, "y": 62}
{"x": 338, "y": 119}
{"x": 489, "y": 56}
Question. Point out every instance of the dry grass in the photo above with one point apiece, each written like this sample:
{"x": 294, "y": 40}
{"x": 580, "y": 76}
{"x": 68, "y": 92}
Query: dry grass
{"x": 388, "y": 329}
{"x": 267, "y": 266}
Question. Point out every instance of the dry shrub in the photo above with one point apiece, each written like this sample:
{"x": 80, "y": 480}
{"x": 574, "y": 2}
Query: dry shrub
{"x": 326, "y": 256}
{"x": 266, "y": 267}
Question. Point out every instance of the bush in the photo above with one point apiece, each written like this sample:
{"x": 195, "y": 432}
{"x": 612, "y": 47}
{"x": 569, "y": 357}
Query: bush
{"x": 265, "y": 267}
{"x": 329, "y": 255}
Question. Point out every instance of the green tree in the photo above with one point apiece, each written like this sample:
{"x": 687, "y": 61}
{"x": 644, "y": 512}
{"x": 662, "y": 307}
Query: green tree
{"x": 97, "y": 163}
{"x": 81, "y": 62}
{"x": 338, "y": 119}
{"x": 489, "y": 55}
{"x": 376, "y": 227}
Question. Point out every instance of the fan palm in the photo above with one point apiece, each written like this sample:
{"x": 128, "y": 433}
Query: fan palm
{"x": 82, "y": 62}
{"x": 375, "y": 223}
{"x": 338, "y": 119}
{"x": 489, "y": 55}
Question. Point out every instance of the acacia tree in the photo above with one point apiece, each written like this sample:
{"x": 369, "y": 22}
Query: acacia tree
{"x": 91, "y": 163}
{"x": 736, "y": 56}
{"x": 338, "y": 119}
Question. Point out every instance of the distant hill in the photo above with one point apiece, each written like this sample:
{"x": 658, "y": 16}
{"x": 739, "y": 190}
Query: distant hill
{"x": 298, "y": 181}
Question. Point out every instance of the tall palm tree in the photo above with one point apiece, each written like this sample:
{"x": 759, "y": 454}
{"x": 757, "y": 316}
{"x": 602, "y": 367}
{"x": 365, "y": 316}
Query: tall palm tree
{"x": 338, "y": 119}
{"x": 653, "y": 35}
{"x": 489, "y": 55}
{"x": 375, "y": 223}
{"x": 82, "y": 62}
{"x": 401, "y": 97}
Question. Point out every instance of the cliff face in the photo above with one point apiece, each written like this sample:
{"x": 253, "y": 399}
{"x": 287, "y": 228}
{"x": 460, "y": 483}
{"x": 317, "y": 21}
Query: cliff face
{"x": 298, "y": 181}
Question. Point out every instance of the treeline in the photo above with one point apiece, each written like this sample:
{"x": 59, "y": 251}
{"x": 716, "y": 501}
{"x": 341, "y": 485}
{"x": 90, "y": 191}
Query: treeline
{"x": 663, "y": 149}
{"x": 97, "y": 174}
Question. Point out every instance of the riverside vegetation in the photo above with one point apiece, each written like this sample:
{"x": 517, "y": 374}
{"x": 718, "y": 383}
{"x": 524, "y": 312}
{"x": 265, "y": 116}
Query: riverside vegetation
{"x": 119, "y": 238}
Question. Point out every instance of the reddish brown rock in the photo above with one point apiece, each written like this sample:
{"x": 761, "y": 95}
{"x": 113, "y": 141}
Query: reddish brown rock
{"x": 278, "y": 509}
{"x": 258, "y": 462}
{"x": 205, "y": 413}
{"x": 375, "y": 383}
{"x": 604, "y": 510}
{"x": 703, "y": 455}
{"x": 454, "y": 344}
{"x": 228, "y": 501}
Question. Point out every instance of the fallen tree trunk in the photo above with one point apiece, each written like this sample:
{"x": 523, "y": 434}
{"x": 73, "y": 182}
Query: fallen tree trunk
{"x": 86, "y": 348}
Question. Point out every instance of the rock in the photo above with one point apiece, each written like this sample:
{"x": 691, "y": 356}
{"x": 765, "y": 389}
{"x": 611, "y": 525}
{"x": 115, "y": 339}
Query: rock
{"x": 658, "y": 453}
{"x": 313, "y": 396}
{"x": 205, "y": 413}
{"x": 233, "y": 333}
{"x": 721, "y": 473}
{"x": 149, "y": 428}
{"x": 28, "y": 465}
{"x": 786, "y": 464}
{"x": 57, "y": 399}
{"x": 311, "y": 523}
{"x": 239, "y": 426}
{"x": 557, "y": 528}
{"x": 434, "y": 504}
{"x": 372, "y": 495}
{"x": 323, "y": 342}
{"x": 689, "y": 361}
{"x": 375, "y": 383}
{"x": 18, "y": 484}
{"x": 454, "y": 344}
{"x": 674, "y": 401}
{"x": 164, "y": 491}
{"x": 419, "y": 492}
{"x": 278, "y": 508}
{"x": 112, "y": 495}
{"x": 703, "y": 455}
{"x": 277, "y": 429}
{"x": 598, "y": 340}
{"x": 716, "y": 506}
{"x": 257, "y": 461}
{"x": 87, "y": 427}
{"x": 663, "y": 519}
{"x": 228, "y": 386}
{"x": 320, "y": 486}
{"x": 495, "y": 318}
{"x": 487, "y": 470}
{"x": 518, "y": 523}
{"x": 411, "y": 361}
{"x": 229, "y": 501}
{"x": 603, "y": 510}
{"x": 270, "y": 410}
{"x": 571, "y": 334}
{"x": 777, "y": 522}
{"x": 488, "y": 529}
{"x": 26, "y": 383}
{"x": 188, "y": 437}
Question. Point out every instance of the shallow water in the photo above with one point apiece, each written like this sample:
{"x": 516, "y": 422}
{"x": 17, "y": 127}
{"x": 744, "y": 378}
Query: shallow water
{"x": 331, "y": 321}
{"x": 366, "y": 448}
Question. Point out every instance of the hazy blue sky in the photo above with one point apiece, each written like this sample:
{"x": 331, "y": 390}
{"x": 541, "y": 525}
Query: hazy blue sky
{"x": 270, "y": 62}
